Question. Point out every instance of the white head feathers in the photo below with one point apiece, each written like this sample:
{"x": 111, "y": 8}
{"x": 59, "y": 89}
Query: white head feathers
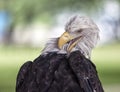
{"x": 78, "y": 26}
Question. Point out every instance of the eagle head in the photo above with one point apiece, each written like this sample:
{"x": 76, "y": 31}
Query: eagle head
{"x": 81, "y": 33}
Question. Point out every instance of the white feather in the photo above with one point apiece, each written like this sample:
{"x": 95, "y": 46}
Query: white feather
{"x": 90, "y": 36}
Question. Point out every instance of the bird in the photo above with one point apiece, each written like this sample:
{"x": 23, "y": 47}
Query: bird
{"x": 64, "y": 64}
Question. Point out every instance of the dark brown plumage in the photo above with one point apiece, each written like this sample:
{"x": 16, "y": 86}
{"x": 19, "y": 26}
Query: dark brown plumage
{"x": 59, "y": 73}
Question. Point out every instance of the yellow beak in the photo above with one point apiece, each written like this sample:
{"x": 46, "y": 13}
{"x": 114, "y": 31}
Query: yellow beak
{"x": 64, "y": 38}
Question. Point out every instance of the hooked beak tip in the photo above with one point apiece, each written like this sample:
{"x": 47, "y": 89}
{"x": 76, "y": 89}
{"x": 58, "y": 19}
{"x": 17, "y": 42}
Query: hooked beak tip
{"x": 64, "y": 38}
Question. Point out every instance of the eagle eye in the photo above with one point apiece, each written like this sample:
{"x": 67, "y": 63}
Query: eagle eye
{"x": 79, "y": 31}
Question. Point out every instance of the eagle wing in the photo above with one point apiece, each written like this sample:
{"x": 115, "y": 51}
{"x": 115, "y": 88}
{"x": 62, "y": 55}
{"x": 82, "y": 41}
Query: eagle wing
{"x": 38, "y": 76}
{"x": 22, "y": 75}
{"x": 85, "y": 72}
{"x": 55, "y": 72}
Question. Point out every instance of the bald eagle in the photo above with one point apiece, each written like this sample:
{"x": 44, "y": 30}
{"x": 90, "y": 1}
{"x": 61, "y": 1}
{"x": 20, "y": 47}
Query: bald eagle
{"x": 64, "y": 65}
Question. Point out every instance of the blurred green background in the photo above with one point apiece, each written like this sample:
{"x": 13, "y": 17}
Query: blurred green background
{"x": 26, "y": 25}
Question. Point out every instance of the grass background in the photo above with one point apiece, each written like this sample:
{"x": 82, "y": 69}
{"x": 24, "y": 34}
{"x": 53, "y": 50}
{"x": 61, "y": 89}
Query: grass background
{"x": 106, "y": 59}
